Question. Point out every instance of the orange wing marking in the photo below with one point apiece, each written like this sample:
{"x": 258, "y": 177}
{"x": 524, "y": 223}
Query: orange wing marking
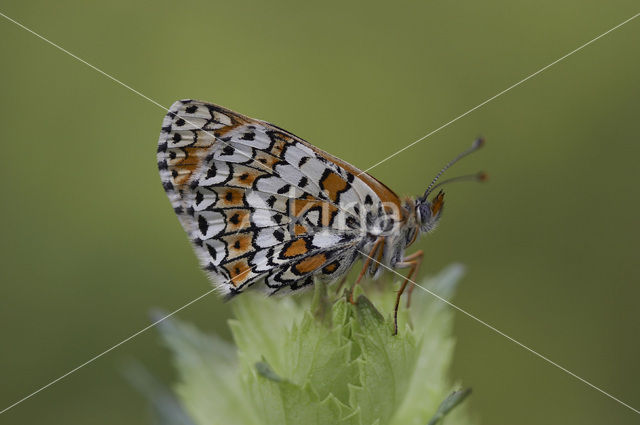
{"x": 230, "y": 197}
{"x": 236, "y": 219}
{"x": 238, "y": 244}
{"x": 297, "y": 247}
{"x": 244, "y": 178}
{"x": 330, "y": 268}
{"x": 299, "y": 229}
{"x": 300, "y": 206}
{"x": 238, "y": 271}
{"x": 310, "y": 264}
{"x": 333, "y": 185}
{"x": 183, "y": 167}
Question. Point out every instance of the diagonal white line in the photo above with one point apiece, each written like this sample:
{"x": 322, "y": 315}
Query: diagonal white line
{"x": 128, "y": 87}
{"x": 164, "y": 109}
{"x": 113, "y": 347}
{"x": 498, "y": 331}
{"x": 82, "y": 60}
{"x": 212, "y": 290}
{"x": 501, "y": 93}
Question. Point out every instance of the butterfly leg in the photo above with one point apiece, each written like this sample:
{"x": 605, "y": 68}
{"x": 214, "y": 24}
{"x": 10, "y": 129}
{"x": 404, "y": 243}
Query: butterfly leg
{"x": 417, "y": 256}
{"x": 413, "y": 262}
{"x": 377, "y": 245}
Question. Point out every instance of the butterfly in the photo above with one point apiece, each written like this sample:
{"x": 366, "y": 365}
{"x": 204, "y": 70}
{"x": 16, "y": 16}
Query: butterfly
{"x": 263, "y": 207}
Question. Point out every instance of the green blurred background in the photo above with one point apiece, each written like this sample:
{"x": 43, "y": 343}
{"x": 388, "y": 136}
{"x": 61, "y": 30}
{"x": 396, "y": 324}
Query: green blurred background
{"x": 90, "y": 243}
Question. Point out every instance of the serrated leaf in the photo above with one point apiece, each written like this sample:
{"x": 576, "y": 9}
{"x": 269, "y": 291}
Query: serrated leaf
{"x": 281, "y": 402}
{"x": 209, "y": 388}
{"x": 432, "y": 327}
{"x": 321, "y": 357}
{"x": 323, "y": 362}
{"x": 385, "y": 364}
{"x": 261, "y": 326}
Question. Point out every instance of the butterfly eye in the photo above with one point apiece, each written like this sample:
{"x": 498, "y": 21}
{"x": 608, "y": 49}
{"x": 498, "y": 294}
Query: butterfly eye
{"x": 424, "y": 212}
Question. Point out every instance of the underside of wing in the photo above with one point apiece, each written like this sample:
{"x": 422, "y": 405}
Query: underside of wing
{"x": 258, "y": 202}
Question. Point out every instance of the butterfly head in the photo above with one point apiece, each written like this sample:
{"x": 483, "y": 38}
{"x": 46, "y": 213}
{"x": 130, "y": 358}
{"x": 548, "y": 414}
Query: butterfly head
{"x": 428, "y": 211}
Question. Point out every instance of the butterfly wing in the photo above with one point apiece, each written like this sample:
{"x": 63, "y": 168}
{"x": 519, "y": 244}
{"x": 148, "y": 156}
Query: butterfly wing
{"x": 257, "y": 201}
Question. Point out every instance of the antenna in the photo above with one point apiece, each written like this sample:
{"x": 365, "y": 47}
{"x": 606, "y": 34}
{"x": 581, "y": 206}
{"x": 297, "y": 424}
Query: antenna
{"x": 478, "y": 177}
{"x": 477, "y": 144}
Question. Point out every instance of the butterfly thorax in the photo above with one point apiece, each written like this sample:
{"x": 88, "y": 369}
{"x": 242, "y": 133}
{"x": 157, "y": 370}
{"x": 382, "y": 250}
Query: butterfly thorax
{"x": 390, "y": 235}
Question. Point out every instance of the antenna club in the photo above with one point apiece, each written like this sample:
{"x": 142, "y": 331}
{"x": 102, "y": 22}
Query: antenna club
{"x": 482, "y": 176}
{"x": 478, "y": 143}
